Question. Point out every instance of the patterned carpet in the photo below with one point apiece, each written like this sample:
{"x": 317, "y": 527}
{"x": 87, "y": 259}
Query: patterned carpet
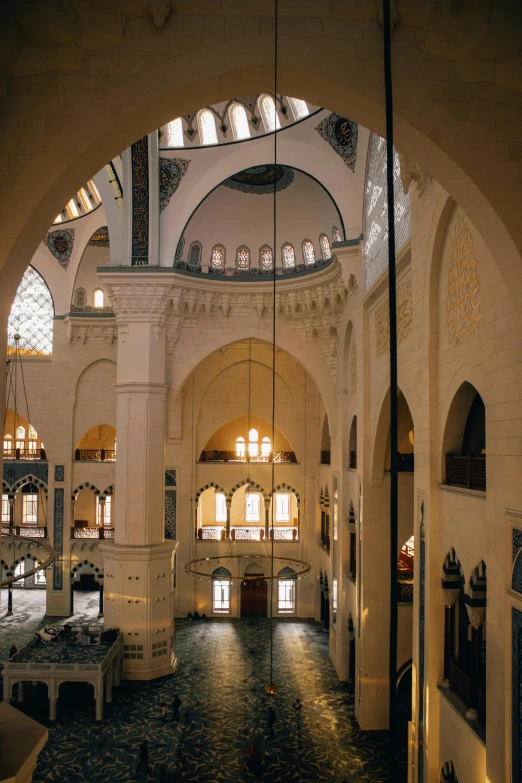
{"x": 222, "y": 668}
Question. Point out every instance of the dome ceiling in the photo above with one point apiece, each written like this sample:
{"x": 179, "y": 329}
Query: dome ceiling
{"x": 261, "y": 179}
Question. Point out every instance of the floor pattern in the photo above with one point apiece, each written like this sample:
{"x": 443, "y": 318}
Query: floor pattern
{"x": 223, "y": 666}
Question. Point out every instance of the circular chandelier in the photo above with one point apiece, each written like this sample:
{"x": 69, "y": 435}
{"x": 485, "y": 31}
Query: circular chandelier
{"x": 195, "y": 567}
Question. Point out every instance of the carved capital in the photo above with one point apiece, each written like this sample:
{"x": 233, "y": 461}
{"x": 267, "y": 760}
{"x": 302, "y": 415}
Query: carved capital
{"x": 412, "y": 172}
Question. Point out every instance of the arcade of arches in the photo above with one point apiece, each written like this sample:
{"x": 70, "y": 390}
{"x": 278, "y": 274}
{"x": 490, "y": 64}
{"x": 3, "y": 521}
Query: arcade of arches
{"x": 144, "y": 322}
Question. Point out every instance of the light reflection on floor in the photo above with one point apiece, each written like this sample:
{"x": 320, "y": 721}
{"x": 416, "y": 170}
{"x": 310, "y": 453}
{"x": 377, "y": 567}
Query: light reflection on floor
{"x": 223, "y": 666}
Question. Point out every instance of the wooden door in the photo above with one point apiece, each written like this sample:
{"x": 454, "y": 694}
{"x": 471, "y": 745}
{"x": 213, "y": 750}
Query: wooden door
{"x": 254, "y": 595}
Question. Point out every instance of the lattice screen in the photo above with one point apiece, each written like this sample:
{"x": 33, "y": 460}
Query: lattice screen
{"x": 376, "y": 211}
{"x": 32, "y": 316}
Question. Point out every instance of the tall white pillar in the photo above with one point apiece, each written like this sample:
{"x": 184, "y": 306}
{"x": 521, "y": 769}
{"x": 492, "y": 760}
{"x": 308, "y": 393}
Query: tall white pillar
{"x": 138, "y": 564}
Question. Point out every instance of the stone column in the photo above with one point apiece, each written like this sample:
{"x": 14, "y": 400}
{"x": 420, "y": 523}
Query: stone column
{"x": 267, "y": 518}
{"x": 477, "y": 616}
{"x": 228, "y": 502}
{"x": 138, "y": 564}
{"x": 450, "y": 598}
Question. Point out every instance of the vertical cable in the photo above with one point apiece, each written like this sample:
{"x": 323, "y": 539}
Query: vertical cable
{"x": 273, "y": 349}
{"x": 394, "y": 487}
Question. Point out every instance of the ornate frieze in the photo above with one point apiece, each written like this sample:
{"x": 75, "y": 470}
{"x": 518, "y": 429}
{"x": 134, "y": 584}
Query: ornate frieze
{"x": 463, "y": 302}
{"x": 98, "y": 333}
{"x": 404, "y": 317}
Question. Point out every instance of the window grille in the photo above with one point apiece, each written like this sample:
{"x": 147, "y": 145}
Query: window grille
{"x": 218, "y": 257}
{"x": 31, "y": 316}
{"x": 376, "y": 211}
{"x": 288, "y": 257}
{"x": 243, "y": 258}
{"x": 299, "y": 108}
{"x": 266, "y": 257}
{"x": 174, "y": 133}
{"x": 325, "y": 247}
{"x": 308, "y": 252}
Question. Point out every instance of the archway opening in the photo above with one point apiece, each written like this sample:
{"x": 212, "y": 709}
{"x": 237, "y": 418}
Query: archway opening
{"x": 464, "y": 442}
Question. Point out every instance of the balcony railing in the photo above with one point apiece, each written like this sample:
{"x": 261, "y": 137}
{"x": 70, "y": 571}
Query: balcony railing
{"x": 326, "y": 457}
{"x": 468, "y": 472}
{"x": 95, "y": 455}
{"x": 92, "y": 532}
{"x": 221, "y": 455}
{"x": 25, "y": 531}
{"x": 208, "y": 533}
{"x": 460, "y": 684}
{"x": 405, "y": 592}
{"x": 27, "y": 454}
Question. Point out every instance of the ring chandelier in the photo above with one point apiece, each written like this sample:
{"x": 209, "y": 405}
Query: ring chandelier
{"x": 193, "y": 567}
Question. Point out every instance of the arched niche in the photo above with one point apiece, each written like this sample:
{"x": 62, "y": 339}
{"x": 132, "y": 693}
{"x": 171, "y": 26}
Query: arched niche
{"x": 463, "y": 459}
{"x": 352, "y": 444}
{"x": 382, "y": 445}
{"x": 326, "y": 442}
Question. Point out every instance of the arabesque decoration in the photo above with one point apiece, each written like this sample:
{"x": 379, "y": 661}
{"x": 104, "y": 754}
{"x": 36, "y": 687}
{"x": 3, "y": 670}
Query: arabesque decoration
{"x": 463, "y": 303}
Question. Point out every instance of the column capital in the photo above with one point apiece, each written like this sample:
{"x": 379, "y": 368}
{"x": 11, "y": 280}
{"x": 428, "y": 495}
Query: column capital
{"x": 139, "y": 297}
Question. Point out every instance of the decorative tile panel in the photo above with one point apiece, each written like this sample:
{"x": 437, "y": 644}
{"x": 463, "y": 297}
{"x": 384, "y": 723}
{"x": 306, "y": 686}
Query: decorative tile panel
{"x": 516, "y": 542}
{"x": 170, "y": 514}
{"x": 16, "y": 471}
{"x": 61, "y": 243}
{"x": 59, "y": 472}
{"x": 140, "y": 202}
{"x": 171, "y": 172}
{"x": 170, "y": 478}
{"x": 341, "y": 134}
{"x": 516, "y": 697}
{"x": 58, "y": 539}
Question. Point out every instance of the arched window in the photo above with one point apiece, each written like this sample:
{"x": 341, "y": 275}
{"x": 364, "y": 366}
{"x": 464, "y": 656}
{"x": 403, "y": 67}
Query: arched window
{"x": 253, "y": 507}
{"x": 266, "y": 447}
{"x": 19, "y": 570}
{"x": 207, "y": 127}
{"x": 104, "y": 512}
{"x": 6, "y": 509}
{"x": 99, "y": 298}
{"x": 20, "y": 437}
{"x": 253, "y": 443}
{"x": 221, "y": 591}
{"x": 80, "y": 298}
{"x": 31, "y": 316}
{"x": 266, "y": 257}
{"x": 288, "y": 255}
{"x": 218, "y": 257}
{"x": 242, "y": 258}
{"x": 337, "y": 237}
{"x": 39, "y": 577}
{"x": 308, "y": 252}
{"x": 376, "y": 211}
{"x": 29, "y": 504}
{"x": 299, "y": 108}
{"x": 240, "y": 447}
{"x": 325, "y": 247}
{"x": 8, "y": 447}
{"x": 282, "y": 509}
{"x": 194, "y": 257}
{"x": 174, "y": 133}
{"x": 269, "y": 113}
{"x": 239, "y": 122}
{"x": 286, "y": 591}
{"x": 72, "y": 209}
{"x": 221, "y": 507}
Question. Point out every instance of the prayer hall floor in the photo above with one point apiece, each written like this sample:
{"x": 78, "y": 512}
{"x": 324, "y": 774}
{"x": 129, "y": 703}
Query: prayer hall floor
{"x": 223, "y": 666}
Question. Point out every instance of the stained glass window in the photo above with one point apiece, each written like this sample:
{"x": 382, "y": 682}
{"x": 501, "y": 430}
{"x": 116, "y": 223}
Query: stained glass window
{"x": 288, "y": 256}
{"x": 243, "y": 258}
{"x": 299, "y": 108}
{"x": 376, "y": 211}
{"x": 174, "y": 133}
{"x": 239, "y": 122}
{"x": 218, "y": 257}
{"x": 325, "y": 246}
{"x": 308, "y": 252}
{"x": 266, "y": 257}
{"x": 269, "y": 113}
{"x": 207, "y": 127}
{"x": 31, "y": 316}
{"x": 336, "y": 235}
{"x": 195, "y": 255}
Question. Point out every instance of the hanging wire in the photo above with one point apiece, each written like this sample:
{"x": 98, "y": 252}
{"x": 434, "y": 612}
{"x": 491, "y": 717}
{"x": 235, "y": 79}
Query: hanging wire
{"x": 276, "y": 33}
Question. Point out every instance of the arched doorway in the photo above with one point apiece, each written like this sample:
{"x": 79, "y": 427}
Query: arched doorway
{"x": 254, "y": 593}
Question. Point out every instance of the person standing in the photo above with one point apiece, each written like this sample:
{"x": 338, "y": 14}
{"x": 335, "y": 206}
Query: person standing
{"x": 176, "y": 704}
